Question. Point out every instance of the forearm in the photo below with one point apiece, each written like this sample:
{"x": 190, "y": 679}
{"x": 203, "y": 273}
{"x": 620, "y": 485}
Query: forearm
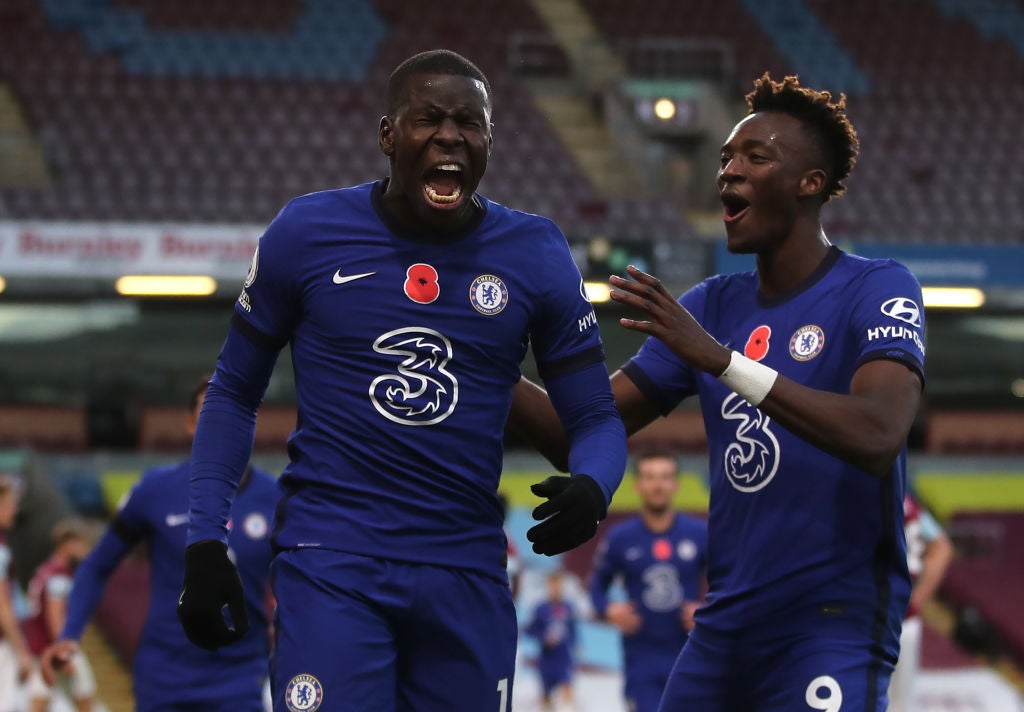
{"x": 56, "y": 614}
{"x": 225, "y": 434}
{"x": 936, "y": 560}
{"x": 867, "y": 427}
{"x": 535, "y": 420}
{"x": 90, "y": 582}
{"x": 584, "y": 403}
{"x": 858, "y": 430}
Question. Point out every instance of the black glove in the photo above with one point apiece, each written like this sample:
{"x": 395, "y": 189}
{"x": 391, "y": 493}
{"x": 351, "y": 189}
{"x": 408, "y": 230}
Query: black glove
{"x": 211, "y": 583}
{"x": 575, "y": 505}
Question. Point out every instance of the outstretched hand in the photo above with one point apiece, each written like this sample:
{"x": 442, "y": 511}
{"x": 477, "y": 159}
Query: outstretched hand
{"x": 570, "y": 515}
{"x": 670, "y": 322}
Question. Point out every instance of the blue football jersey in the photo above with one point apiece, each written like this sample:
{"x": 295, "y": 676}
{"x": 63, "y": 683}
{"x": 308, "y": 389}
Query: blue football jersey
{"x": 406, "y": 348}
{"x": 660, "y": 571}
{"x": 553, "y": 625}
{"x": 794, "y": 531}
{"x": 167, "y": 665}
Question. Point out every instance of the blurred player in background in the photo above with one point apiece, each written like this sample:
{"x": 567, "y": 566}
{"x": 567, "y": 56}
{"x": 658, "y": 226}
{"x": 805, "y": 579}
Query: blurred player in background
{"x": 170, "y": 674}
{"x": 15, "y": 658}
{"x": 553, "y": 624}
{"x": 929, "y": 553}
{"x": 408, "y": 304}
{"x": 809, "y": 371}
{"x": 48, "y": 593}
{"x": 660, "y": 556}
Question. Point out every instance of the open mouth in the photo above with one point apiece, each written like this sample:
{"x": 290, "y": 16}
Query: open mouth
{"x": 443, "y": 184}
{"x": 736, "y": 206}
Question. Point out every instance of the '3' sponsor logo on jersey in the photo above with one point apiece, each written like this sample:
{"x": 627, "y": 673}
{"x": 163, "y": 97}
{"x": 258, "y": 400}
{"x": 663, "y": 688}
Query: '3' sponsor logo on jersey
{"x": 752, "y": 459}
{"x": 420, "y": 391}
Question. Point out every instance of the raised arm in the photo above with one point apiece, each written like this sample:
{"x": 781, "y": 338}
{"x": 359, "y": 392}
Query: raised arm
{"x": 86, "y": 591}
{"x": 866, "y": 427}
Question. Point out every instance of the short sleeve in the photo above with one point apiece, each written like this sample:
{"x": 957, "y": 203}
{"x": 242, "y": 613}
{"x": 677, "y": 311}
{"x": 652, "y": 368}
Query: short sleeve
{"x": 564, "y": 333}
{"x": 58, "y": 587}
{"x": 268, "y": 301}
{"x": 659, "y": 374}
{"x": 930, "y": 529}
{"x": 888, "y": 318}
{"x": 5, "y": 562}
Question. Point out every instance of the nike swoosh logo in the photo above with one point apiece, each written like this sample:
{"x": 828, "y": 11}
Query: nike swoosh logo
{"x": 339, "y": 279}
{"x": 176, "y": 520}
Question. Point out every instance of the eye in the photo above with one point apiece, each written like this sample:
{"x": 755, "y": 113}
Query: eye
{"x": 723, "y": 159}
{"x": 758, "y": 158}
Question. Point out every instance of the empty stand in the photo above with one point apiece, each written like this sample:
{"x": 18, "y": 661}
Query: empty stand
{"x": 152, "y": 111}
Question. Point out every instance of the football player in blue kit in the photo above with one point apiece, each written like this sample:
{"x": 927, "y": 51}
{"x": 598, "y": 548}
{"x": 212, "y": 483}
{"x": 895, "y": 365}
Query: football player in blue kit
{"x": 169, "y": 673}
{"x": 659, "y": 556}
{"x": 809, "y": 371}
{"x": 553, "y": 625}
{"x": 408, "y": 304}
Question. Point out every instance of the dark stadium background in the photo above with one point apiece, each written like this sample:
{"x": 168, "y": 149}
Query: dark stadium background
{"x": 158, "y": 138}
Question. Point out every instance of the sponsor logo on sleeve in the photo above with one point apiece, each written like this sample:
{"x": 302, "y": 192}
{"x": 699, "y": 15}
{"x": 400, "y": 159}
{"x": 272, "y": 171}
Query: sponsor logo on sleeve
{"x": 903, "y": 309}
{"x": 896, "y": 332}
{"x": 253, "y": 268}
{"x": 588, "y": 321}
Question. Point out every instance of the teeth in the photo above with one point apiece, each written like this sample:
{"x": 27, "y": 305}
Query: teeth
{"x": 438, "y": 198}
{"x": 449, "y": 167}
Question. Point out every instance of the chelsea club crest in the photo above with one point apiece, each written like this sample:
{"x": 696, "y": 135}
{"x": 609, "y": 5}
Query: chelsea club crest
{"x": 488, "y": 294}
{"x": 303, "y": 694}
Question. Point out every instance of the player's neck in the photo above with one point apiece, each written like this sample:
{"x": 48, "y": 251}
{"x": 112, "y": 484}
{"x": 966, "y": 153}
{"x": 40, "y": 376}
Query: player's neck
{"x": 658, "y": 521}
{"x": 793, "y": 260}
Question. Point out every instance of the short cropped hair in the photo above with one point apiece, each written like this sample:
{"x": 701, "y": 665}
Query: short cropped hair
{"x": 654, "y": 454}
{"x": 435, "y": 61}
{"x": 826, "y": 118}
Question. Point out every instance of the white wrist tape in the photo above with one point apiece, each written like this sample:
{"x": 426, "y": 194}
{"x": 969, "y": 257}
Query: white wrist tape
{"x": 748, "y": 379}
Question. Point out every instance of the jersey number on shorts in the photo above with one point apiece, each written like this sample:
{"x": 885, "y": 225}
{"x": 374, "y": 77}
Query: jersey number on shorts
{"x": 419, "y": 391}
{"x": 503, "y": 692}
{"x": 824, "y": 694}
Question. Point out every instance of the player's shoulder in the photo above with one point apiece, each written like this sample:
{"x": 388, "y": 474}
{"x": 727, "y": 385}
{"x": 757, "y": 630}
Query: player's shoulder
{"x": 625, "y": 530}
{"x": 537, "y": 229}
{"x": 264, "y": 482}
{"x": 859, "y": 267}
{"x": 164, "y": 477}
{"x": 329, "y": 200}
{"x": 690, "y": 524}
{"x": 720, "y": 284}
{"x": 313, "y": 208}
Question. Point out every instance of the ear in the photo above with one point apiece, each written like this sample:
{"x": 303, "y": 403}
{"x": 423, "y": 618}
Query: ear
{"x": 490, "y": 138}
{"x": 812, "y": 183}
{"x": 386, "y": 136}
